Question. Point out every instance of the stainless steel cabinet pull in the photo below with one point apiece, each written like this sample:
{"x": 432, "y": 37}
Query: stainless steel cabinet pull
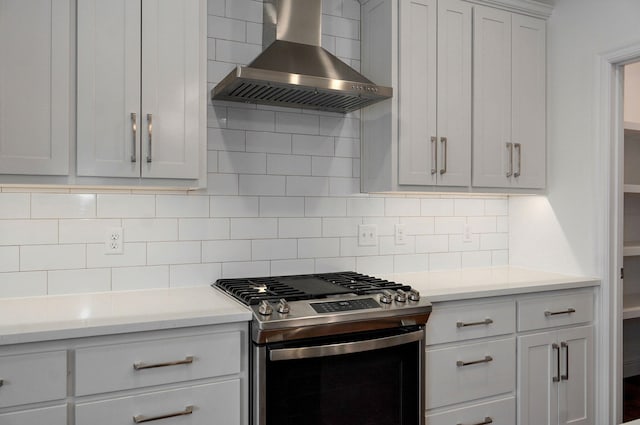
{"x": 556, "y": 348}
{"x": 434, "y": 157}
{"x": 486, "y": 321}
{"x": 142, "y": 418}
{"x": 150, "y": 129}
{"x": 565, "y": 377}
{"x": 1, "y": 382}
{"x": 486, "y": 359}
{"x": 443, "y": 140}
{"x": 555, "y": 313}
{"x": 518, "y": 147}
{"x": 486, "y": 421}
{"x": 141, "y": 365}
{"x": 510, "y": 148}
{"x": 134, "y": 129}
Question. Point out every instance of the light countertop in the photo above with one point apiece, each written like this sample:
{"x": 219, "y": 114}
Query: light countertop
{"x": 487, "y": 282}
{"x": 72, "y": 316}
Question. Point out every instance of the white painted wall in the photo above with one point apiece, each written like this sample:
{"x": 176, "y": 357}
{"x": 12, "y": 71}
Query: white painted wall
{"x": 632, "y": 93}
{"x": 561, "y": 233}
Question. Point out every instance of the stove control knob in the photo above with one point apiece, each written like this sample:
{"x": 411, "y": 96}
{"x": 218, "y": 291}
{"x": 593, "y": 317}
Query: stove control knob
{"x": 265, "y": 308}
{"x": 401, "y": 296}
{"x": 386, "y": 297}
{"x": 414, "y": 295}
{"x": 283, "y": 306}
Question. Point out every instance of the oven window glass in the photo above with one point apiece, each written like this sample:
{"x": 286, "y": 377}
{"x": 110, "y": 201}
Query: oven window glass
{"x": 380, "y": 387}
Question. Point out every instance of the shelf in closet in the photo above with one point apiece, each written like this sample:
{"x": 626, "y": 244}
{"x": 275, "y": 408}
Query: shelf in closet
{"x": 630, "y": 306}
{"x": 632, "y": 127}
{"x": 631, "y": 249}
{"x": 632, "y": 188}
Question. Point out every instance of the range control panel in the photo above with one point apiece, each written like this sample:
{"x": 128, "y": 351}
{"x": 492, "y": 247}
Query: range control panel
{"x": 345, "y": 305}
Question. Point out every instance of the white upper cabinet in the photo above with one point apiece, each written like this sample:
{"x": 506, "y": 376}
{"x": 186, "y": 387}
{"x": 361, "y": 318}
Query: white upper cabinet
{"x": 140, "y": 91}
{"x": 35, "y": 83}
{"x": 509, "y": 100}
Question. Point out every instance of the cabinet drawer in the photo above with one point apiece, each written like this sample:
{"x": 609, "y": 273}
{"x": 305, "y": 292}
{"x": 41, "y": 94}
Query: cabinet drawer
{"x": 135, "y": 365}
{"x": 470, "y": 320}
{"x": 451, "y": 379}
{"x": 217, "y": 403}
{"x": 555, "y": 310}
{"x": 499, "y": 412}
{"x": 31, "y": 378}
{"x": 56, "y": 415}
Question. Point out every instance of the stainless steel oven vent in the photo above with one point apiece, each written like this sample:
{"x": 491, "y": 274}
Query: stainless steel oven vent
{"x": 294, "y": 70}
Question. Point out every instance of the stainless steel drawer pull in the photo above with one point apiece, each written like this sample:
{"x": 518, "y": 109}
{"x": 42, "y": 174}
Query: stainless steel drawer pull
{"x": 141, "y": 365}
{"x": 556, "y": 348}
{"x": 565, "y": 377}
{"x": 510, "y": 148}
{"x": 1, "y": 382}
{"x": 486, "y": 359}
{"x": 142, "y": 418}
{"x": 150, "y": 130}
{"x": 486, "y": 321}
{"x": 134, "y": 129}
{"x": 486, "y": 421}
{"x": 555, "y": 313}
{"x": 518, "y": 147}
{"x": 443, "y": 140}
{"x": 434, "y": 153}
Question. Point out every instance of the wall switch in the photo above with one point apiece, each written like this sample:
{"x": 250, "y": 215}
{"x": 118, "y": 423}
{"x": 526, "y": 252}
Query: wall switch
{"x": 113, "y": 240}
{"x": 401, "y": 236}
{"x": 467, "y": 235}
{"x": 367, "y": 235}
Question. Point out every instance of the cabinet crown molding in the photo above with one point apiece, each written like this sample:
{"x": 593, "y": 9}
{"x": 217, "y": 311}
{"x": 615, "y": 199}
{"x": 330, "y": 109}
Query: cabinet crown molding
{"x": 537, "y": 8}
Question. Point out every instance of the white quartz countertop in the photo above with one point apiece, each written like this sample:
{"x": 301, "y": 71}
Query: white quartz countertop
{"x": 487, "y": 282}
{"x": 71, "y": 316}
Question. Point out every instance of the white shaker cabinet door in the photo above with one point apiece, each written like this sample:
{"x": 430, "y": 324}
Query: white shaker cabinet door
{"x": 35, "y": 48}
{"x": 171, "y": 73}
{"x": 577, "y": 376}
{"x": 108, "y": 88}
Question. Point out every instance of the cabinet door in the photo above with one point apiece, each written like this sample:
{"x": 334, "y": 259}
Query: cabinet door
{"x": 417, "y": 95}
{"x": 537, "y": 367}
{"x": 454, "y": 93}
{"x": 576, "y": 386}
{"x": 35, "y": 48}
{"x": 528, "y": 101}
{"x": 492, "y": 97}
{"x": 171, "y": 76}
{"x": 108, "y": 88}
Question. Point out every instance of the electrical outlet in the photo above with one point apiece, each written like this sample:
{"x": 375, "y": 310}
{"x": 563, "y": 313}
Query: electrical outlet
{"x": 113, "y": 240}
{"x": 367, "y": 235}
{"x": 467, "y": 236}
{"x": 401, "y": 236}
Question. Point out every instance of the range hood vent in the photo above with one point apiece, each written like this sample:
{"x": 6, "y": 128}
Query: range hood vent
{"x": 294, "y": 70}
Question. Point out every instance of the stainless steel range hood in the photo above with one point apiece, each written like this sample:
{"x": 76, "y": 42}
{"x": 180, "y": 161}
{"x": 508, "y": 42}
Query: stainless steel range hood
{"x": 294, "y": 70}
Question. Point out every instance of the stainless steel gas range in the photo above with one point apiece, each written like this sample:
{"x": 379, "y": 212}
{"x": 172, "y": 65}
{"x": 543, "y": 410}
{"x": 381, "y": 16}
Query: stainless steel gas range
{"x": 334, "y": 349}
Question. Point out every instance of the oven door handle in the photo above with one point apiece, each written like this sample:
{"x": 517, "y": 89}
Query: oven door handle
{"x": 280, "y": 354}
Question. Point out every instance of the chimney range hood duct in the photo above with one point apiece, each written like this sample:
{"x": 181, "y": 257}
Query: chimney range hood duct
{"x": 294, "y": 70}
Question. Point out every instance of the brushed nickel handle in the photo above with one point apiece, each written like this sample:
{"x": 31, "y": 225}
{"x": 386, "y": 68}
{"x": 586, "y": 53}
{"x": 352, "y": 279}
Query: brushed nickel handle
{"x": 134, "y": 130}
{"x": 518, "y": 147}
{"x": 141, "y": 365}
{"x": 142, "y": 418}
{"x": 434, "y": 156}
{"x": 555, "y": 313}
{"x": 510, "y": 147}
{"x": 150, "y": 129}
{"x": 487, "y": 420}
{"x": 565, "y": 377}
{"x": 443, "y": 141}
{"x": 486, "y": 359}
{"x": 486, "y": 321}
{"x": 555, "y": 347}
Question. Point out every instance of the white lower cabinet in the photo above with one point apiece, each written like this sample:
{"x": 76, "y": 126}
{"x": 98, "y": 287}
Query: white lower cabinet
{"x": 56, "y": 415}
{"x": 217, "y": 403}
{"x": 498, "y": 412}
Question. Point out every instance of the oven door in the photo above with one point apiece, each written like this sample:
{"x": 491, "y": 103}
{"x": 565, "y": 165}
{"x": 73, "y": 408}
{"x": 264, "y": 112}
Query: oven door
{"x": 370, "y": 378}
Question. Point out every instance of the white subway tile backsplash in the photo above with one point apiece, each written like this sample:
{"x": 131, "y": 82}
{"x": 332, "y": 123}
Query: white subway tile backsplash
{"x": 254, "y": 33}
{"x": 482, "y": 224}
{"x": 346, "y": 147}
{"x": 318, "y": 247}
{"x": 234, "y": 206}
{"x": 52, "y": 257}
{"x": 126, "y": 206}
{"x": 251, "y": 119}
{"x": 226, "y": 29}
{"x": 133, "y": 278}
{"x": 469, "y": 207}
{"x": 496, "y": 207}
{"x": 223, "y": 184}
{"x": 313, "y": 145}
{"x": 402, "y": 207}
{"x": 242, "y": 162}
{"x": 365, "y": 207}
{"x": 339, "y": 126}
{"x": 502, "y": 224}
{"x": 223, "y": 139}
{"x": 248, "y": 10}
{"x": 276, "y": 206}
{"x": 235, "y": 52}
{"x": 348, "y": 48}
{"x": 307, "y": 186}
{"x": 344, "y": 186}
{"x": 25, "y": 284}
{"x": 328, "y": 42}
{"x": 215, "y": 7}
{"x": 476, "y": 259}
{"x": 78, "y": 281}
{"x": 340, "y": 27}
{"x": 262, "y": 141}
{"x": 500, "y": 258}
{"x": 147, "y": 229}
{"x": 9, "y": 259}
{"x": 335, "y": 264}
{"x": 196, "y": 229}
{"x": 28, "y": 232}
{"x": 373, "y": 265}
{"x": 418, "y": 225}
{"x": 212, "y": 161}
{"x": 432, "y": 243}
{"x": 436, "y": 207}
{"x": 388, "y": 245}
{"x": 332, "y": 7}
{"x": 286, "y": 267}
{"x": 15, "y": 205}
{"x": 184, "y": 275}
{"x": 349, "y": 248}
{"x": 246, "y": 269}
{"x": 254, "y": 228}
{"x": 297, "y": 123}
{"x": 133, "y": 254}
{"x": 386, "y": 225}
{"x": 331, "y": 166}
{"x": 296, "y": 165}
{"x": 182, "y": 206}
{"x": 62, "y": 205}
{"x": 445, "y": 261}
{"x": 457, "y": 243}
{"x": 351, "y": 10}
{"x": 299, "y": 227}
{"x": 274, "y": 249}
{"x": 85, "y": 230}
{"x": 494, "y": 241}
{"x": 325, "y": 207}
{"x": 410, "y": 263}
{"x": 337, "y": 227}
{"x": 216, "y": 71}
{"x": 254, "y": 185}
{"x": 222, "y": 251}
{"x": 449, "y": 225}
{"x": 174, "y": 252}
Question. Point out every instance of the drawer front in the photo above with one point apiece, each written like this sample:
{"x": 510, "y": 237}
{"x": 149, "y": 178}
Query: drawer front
{"x": 136, "y": 365}
{"x": 217, "y": 403}
{"x": 31, "y": 378}
{"x": 555, "y": 310}
{"x": 470, "y": 320}
{"x": 454, "y": 377}
{"x": 499, "y": 412}
{"x": 56, "y": 415}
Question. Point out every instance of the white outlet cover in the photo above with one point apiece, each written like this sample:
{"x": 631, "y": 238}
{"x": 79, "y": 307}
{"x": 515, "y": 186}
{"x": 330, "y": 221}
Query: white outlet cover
{"x": 113, "y": 241}
{"x": 367, "y": 235}
{"x": 401, "y": 234}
